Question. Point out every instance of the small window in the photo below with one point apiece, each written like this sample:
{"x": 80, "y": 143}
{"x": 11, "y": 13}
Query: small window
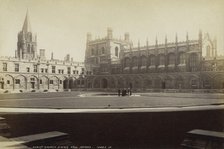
{"x": 40, "y": 81}
{"x": 60, "y": 81}
{"x": 4, "y": 66}
{"x": 46, "y": 70}
{"x": 16, "y": 67}
{"x": 8, "y": 81}
{"x": 34, "y": 68}
{"x": 51, "y": 81}
{"x": 103, "y": 50}
{"x": 53, "y": 69}
{"x": 27, "y": 69}
{"x": 32, "y": 79}
{"x": 17, "y": 81}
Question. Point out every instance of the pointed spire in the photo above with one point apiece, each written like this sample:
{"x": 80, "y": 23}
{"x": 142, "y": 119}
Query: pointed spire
{"x": 26, "y": 24}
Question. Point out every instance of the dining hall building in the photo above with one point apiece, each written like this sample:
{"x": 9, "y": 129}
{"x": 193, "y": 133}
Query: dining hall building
{"x": 191, "y": 64}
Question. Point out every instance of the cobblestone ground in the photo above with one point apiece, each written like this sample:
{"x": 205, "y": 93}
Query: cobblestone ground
{"x": 95, "y": 100}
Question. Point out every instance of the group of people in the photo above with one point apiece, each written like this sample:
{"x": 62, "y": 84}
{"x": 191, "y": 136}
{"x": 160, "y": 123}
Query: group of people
{"x": 124, "y": 92}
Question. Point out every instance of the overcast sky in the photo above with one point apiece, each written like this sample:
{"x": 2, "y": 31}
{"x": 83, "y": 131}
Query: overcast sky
{"x": 61, "y": 25}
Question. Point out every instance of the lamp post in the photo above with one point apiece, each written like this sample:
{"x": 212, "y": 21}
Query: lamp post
{"x": 47, "y": 75}
{"x": 38, "y": 74}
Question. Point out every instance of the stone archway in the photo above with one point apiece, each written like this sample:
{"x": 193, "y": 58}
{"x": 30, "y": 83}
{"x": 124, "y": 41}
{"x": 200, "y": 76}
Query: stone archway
{"x": 104, "y": 83}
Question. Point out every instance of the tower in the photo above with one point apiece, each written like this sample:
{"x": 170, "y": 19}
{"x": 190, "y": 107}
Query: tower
{"x": 27, "y": 42}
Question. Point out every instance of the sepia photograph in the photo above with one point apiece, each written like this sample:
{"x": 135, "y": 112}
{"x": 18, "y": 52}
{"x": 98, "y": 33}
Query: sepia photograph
{"x": 111, "y": 74}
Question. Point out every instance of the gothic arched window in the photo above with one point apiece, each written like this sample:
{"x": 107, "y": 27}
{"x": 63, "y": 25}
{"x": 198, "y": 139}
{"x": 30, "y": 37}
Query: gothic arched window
{"x": 161, "y": 60}
{"x": 92, "y": 51}
{"x": 152, "y": 60}
{"x": 134, "y": 61}
{"x": 144, "y": 61}
{"x": 171, "y": 59}
{"x": 182, "y": 58}
{"x": 116, "y": 51}
{"x": 127, "y": 62}
{"x": 193, "y": 61}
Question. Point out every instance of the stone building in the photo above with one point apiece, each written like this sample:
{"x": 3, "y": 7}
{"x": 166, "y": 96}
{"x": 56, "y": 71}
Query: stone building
{"x": 30, "y": 71}
{"x": 190, "y": 64}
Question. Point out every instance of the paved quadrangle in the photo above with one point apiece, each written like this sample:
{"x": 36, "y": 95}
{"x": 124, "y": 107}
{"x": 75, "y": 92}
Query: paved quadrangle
{"x": 97, "y": 100}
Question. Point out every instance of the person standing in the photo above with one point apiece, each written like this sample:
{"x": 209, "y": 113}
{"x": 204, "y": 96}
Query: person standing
{"x": 119, "y": 92}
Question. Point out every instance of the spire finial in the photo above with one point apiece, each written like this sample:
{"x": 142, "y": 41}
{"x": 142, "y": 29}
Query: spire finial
{"x": 156, "y": 41}
{"x": 200, "y": 34}
{"x": 26, "y": 24}
{"x": 165, "y": 39}
{"x": 147, "y": 42}
{"x": 176, "y": 38}
{"x": 187, "y": 36}
{"x": 138, "y": 44}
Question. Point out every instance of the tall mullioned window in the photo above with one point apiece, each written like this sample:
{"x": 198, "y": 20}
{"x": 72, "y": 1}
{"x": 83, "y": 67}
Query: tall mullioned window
{"x": 16, "y": 67}
{"x": 134, "y": 61}
{"x": 144, "y": 61}
{"x": 193, "y": 62}
{"x": 161, "y": 60}
{"x": 182, "y": 58}
{"x": 53, "y": 69}
{"x": 152, "y": 60}
{"x": 171, "y": 59}
{"x": 4, "y": 66}
{"x": 127, "y": 62}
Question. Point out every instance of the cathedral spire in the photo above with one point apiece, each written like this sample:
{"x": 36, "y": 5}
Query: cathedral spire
{"x": 26, "y": 24}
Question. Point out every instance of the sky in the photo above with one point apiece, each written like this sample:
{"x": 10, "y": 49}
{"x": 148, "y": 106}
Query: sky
{"x": 61, "y": 25}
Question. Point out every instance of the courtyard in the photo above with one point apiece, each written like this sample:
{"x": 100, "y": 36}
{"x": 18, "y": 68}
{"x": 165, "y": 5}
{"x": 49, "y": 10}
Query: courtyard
{"x": 107, "y": 101}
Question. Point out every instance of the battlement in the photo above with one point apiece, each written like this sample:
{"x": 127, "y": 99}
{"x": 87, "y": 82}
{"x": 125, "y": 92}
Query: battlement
{"x": 50, "y": 62}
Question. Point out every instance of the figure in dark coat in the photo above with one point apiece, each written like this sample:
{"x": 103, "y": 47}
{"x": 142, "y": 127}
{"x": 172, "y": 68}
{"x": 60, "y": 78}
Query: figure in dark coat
{"x": 119, "y": 92}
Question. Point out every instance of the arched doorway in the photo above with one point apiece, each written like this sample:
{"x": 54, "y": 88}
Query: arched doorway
{"x": 104, "y": 83}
